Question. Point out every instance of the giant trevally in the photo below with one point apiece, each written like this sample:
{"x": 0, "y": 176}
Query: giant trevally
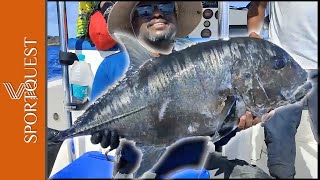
{"x": 190, "y": 92}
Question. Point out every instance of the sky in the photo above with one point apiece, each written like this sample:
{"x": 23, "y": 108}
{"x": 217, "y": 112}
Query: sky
{"x": 72, "y": 13}
{"x": 52, "y": 19}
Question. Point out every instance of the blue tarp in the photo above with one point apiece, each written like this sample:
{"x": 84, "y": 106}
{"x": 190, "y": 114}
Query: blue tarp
{"x": 95, "y": 165}
{"x": 90, "y": 165}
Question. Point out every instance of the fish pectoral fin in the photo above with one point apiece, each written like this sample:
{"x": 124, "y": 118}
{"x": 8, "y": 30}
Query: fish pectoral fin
{"x": 229, "y": 117}
{"x": 138, "y": 54}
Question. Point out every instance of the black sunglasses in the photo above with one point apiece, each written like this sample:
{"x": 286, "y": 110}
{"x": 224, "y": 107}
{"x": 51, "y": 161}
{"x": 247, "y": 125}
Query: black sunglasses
{"x": 146, "y": 10}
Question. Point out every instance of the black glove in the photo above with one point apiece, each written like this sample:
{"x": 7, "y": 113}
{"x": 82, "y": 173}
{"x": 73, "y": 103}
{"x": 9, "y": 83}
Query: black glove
{"x": 127, "y": 154}
{"x": 106, "y": 138}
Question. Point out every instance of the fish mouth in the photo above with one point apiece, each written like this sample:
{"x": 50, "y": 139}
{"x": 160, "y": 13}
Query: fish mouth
{"x": 300, "y": 92}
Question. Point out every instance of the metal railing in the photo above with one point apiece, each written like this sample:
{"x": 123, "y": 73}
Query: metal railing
{"x": 63, "y": 35}
{"x": 223, "y": 20}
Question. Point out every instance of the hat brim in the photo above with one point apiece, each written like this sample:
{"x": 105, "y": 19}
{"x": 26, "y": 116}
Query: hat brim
{"x": 188, "y": 17}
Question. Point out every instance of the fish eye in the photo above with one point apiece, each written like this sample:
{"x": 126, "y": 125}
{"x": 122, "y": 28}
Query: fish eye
{"x": 278, "y": 63}
{"x": 247, "y": 75}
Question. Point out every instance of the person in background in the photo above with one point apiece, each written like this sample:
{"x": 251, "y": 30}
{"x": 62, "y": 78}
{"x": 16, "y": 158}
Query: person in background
{"x": 85, "y": 8}
{"x": 92, "y": 24}
{"x": 160, "y": 27}
{"x": 294, "y": 27}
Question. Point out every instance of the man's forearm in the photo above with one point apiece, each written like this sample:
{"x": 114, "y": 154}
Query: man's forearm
{"x": 255, "y": 16}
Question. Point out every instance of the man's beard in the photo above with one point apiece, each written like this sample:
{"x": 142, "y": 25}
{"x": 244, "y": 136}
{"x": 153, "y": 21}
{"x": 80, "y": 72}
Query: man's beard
{"x": 169, "y": 34}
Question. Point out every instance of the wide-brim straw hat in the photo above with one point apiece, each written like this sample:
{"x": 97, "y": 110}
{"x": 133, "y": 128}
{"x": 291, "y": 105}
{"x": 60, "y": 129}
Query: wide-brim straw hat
{"x": 189, "y": 14}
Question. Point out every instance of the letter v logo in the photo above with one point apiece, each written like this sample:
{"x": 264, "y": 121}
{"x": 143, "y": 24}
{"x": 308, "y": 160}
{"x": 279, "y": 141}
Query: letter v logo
{"x": 12, "y": 93}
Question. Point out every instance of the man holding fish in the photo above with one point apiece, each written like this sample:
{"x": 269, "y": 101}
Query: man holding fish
{"x": 159, "y": 27}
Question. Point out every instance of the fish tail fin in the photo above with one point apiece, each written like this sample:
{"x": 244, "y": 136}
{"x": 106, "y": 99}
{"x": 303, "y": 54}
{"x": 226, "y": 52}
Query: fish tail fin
{"x": 54, "y": 144}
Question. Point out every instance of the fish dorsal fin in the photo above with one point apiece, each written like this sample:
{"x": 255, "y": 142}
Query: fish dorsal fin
{"x": 138, "y": 54}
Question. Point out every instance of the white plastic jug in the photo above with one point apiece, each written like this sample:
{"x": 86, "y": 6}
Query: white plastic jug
{"x": 81, "y": 78}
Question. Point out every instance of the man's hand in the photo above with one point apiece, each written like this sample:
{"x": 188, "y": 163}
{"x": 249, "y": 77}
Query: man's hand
{"x": 247, "y": 121}
{"x": 254, "y": 35}
{"x": 106, "y": 138}
{"x": 255, "y": 17}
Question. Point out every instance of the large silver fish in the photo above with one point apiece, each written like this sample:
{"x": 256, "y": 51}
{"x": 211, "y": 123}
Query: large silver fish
{"x": 192, "y": 92}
